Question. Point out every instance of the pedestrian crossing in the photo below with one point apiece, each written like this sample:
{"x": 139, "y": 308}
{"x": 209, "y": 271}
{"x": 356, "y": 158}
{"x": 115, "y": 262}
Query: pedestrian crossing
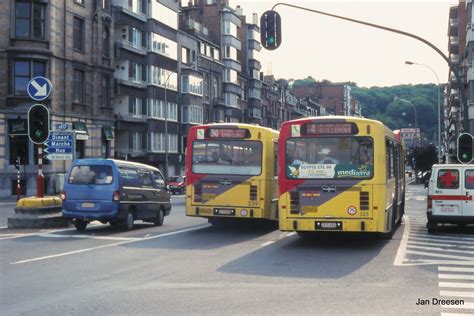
{"x": 456, "y": 286}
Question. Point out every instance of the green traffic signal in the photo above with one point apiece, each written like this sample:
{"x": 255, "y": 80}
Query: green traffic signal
{"x": 38, "y": 123}
{"x": 270, "y": 30}
{"x": 465, "y": 148}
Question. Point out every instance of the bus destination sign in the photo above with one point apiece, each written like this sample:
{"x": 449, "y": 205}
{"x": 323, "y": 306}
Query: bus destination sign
{"x": 227, "y": 133}
{"x": 329, "y": 129}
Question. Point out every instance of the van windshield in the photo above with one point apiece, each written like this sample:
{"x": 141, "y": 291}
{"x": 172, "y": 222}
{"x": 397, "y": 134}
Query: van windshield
{"x": 91, "y": 174}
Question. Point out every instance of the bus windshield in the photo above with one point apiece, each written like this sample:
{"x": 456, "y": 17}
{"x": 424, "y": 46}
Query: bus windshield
{"x": 329, "y": 158}
{"x": 232, "y": 157}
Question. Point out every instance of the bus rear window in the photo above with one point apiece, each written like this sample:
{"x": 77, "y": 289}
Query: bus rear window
{"x": 233, "y": 157}
{"x": 91, "y": 174}
{"x": 329, "y": 158}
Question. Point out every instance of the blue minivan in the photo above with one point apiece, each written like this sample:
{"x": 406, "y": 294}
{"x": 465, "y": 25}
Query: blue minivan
{"x": 114, "y": 191}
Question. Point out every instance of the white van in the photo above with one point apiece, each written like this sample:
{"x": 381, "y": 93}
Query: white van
{"x": 450, "y": 195}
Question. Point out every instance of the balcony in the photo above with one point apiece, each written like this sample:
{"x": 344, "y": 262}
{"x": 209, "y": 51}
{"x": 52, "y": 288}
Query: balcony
{"x": 454, "y": 58}
{"x": 131, "y": 117}
{"x": 453, "y": 41}
{"x": 137, "y": 49}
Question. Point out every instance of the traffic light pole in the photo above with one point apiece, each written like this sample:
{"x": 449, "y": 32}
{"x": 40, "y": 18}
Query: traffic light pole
{"x": 454, "y": 68}
{"x": 40, "y": 178}
{"x": 18, "y": 187}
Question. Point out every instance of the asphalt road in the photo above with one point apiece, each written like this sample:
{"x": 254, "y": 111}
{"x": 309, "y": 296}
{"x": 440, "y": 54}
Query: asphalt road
{"x": 189, "y": 267}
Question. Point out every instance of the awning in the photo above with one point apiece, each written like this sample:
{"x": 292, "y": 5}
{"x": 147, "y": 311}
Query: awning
{"x": 80, "y": 129}
{"x": 107, "y": 132}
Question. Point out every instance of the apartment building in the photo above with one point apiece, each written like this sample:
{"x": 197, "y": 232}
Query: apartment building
{"x": 69, "y": 43}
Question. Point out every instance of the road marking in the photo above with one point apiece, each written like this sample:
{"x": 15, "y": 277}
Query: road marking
{"x": 403, "y": 243}
{"x": 441, "y": 249}
{"x": 440, "y": 240}
{"x": 456, "y": 276}
{"x": 455, "y": 293}
{"x": 455, "y": 314}
{"x": 91, "y": 237}
{"x": 467, "y": 285}
{"x": 422, "y": 253}
{"x": 440, "y": 244}
{"x": 109, "y": 245}
{"x": 43, "y": 232}
{"x": 455, "y": 269}
{"x": 290, "y": 234}
{"x": 445, "y": 238}
{"x": 267, "y": 243}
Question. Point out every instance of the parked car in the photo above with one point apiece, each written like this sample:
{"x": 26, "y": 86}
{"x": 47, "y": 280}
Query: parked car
{"x": 450, "y": 195}
{"x": 114, "y": 191}
{"x": 176, "y": 184}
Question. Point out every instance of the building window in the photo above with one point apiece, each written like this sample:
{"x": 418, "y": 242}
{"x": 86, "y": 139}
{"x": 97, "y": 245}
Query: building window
{"x": 164, "y": 15}
{"x": 230, "y": 28}
{"x": 136, "y": 38}
{"x": 138, "y": 6}
{"x": 156, "y": 142}
{"x": 185, "y": 55}
{"x": 106, "y": 91}
{"x": 191, "y": 84}
{"x": 230, "y": 52}
{"x": 192, "y": 114}
{"x": 230, "y": 75}
{"x": 23, "y": 71}
{"x": 106, "y": 41}
{"x": 79, "y": 32}
{"x": 136, "y": 72}
{"x": 136, "y": 107}
{"x": 137, "y": 142}
{"x": 162, "y": 45}
{"x": 81, "y": 2}
{"x": 78, "y": 96}
{"x": 161, "y": 77}
{"x": 80, "y": 149}
{"x": 29, "y": 19}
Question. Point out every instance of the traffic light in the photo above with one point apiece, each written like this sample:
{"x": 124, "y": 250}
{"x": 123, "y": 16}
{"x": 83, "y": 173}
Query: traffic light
{"x": 17, "y": 163}
{"x": 38, "y": 123}
{"x": 270, "y": 30}
{"x": 465, "y": 148}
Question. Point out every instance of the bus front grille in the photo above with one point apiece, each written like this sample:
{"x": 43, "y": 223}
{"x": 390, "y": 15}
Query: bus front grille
{"x": 253, "y": 193}
{"x": 294, "y": 202}
{"x": 364, "y": 201}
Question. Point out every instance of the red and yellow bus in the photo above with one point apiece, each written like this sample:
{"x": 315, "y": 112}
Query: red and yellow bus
{"x": 339, "y": 173}
{"x": 231, "y": 172}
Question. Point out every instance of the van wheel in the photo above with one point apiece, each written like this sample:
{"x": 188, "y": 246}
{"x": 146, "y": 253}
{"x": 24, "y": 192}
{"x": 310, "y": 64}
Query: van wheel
{"x": 80, "y": 225}
{"x": 129, "y": 220}
{"x": 160, "y": 218}
{"x": 432, "y": 227}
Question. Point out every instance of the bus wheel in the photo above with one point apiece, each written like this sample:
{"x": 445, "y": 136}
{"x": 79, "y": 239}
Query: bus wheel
{"x": 80, "y": 225}
{"x": 160, "y": 218}
{"x": 432, "y": 227}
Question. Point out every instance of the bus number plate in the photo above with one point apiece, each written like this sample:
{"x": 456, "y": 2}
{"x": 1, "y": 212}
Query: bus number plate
{"x": 329, "y": 225}
{"x": 224, "y": 211}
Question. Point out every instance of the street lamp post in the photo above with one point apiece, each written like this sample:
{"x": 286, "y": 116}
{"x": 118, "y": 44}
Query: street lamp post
{"x": 439, "y": 104}
{"x": 166, "y": 122}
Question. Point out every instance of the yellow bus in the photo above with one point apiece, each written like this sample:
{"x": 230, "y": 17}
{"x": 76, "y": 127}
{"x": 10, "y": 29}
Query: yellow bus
{"x": 339, "y": 173}
{"x": 231, "y": 172}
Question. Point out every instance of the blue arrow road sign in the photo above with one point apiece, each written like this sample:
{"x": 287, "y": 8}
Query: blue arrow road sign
{"x": 56, "y": 150}
{"x": 39, "y": 88}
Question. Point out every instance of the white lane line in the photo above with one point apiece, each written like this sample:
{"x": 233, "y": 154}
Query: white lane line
{"x": 267, "y": 243}
{"x": 290, "y": 234}
{"x": 91, "y": 237}
{"x": 438, "y": 255}
{"x": 455, "y": 276}
{"x": 43, "y": 232}
{"x": 109, "y": 245}
{"x": 401, "y": 252}
{"x": 455, "y": 269}
{"x": 455, "y": 314}
{"x": 450, "y": 242}
{"x": 467, "y": 305}
{"x": 466, "y": 285}
{"x": 456, "y": 293}
{"x": 460, "y": 247}
{"x": 446, "y": 238}
{"x": 440, "y": 249}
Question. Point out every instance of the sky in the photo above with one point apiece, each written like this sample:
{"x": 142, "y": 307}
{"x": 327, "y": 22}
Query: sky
{"x": 337, "y": 50}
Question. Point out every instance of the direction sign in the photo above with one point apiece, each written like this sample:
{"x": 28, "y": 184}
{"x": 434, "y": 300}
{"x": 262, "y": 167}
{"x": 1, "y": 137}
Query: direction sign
{"x": 39, "y": 88}
{"x": 59, "y": 146}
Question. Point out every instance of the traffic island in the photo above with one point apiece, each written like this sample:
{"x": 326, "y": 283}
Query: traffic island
{"x": 35, "y": 212}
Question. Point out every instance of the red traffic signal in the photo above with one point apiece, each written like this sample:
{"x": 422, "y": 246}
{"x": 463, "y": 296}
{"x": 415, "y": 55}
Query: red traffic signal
{"x": 270, "y": 30}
